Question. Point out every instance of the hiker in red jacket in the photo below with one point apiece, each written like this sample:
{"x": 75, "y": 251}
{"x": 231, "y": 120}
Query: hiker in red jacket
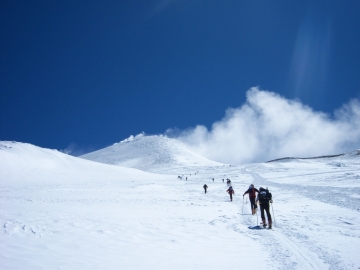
{"x": 252, "y": 195}
{"x": 231, "y": 192}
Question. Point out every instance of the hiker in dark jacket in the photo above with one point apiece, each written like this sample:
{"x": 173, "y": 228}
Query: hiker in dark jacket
{"x": 264, "y": 198}
{"x": 205, "y": 188}
{"x": 252, "y": 195}
{"x": 231, "y": 191}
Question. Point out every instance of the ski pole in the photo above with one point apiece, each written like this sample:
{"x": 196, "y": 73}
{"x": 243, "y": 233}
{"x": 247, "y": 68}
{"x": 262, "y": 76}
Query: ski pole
{"x": 273, "y": 214}
{"x": 242, "y": 211}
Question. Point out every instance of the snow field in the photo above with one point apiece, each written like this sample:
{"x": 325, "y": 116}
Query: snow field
{"x": 311, "y": 231}
{"x": 69, "y": 213}
{"x": 133, "y": 227}
{"x": 61, "y": 212}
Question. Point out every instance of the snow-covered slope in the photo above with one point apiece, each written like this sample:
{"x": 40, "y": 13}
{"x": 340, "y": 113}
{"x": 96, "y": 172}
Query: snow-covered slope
{"x": 62, "y": 212}
{"x": 149, "y": 153}
{"x": 23, "y": 163}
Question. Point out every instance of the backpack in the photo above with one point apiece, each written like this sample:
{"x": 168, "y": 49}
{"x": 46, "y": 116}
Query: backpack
{"x": 264, "y": 196}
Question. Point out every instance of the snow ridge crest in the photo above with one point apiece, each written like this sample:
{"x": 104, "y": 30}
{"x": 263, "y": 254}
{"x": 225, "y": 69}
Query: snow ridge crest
{"x": 148, "y": 153}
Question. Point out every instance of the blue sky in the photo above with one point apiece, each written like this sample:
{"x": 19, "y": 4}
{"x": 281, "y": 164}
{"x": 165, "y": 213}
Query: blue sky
{"x": 91, "y": 73}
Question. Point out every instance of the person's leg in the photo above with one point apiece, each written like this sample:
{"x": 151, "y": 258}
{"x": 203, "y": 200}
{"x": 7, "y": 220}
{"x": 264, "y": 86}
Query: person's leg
{"x": 252, "y": 205}
{"x": 262, "y": 214}
{"x": 267, "y": 209}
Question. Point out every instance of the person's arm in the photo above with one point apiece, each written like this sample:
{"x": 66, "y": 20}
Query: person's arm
{"x": 245, "y": 192}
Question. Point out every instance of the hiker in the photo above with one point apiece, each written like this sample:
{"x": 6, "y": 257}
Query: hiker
{"x": 213, "y": 179}
{"x": 231, "y": 191}
{"x": 223, "y": 180}
{"x": 205, "y": 188}
{"x": 264, "y": 198}
{"x": 252, "y": 195}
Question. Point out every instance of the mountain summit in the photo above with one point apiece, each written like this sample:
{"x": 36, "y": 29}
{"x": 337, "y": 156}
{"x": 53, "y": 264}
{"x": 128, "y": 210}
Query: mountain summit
{"x": 149, "y": 153}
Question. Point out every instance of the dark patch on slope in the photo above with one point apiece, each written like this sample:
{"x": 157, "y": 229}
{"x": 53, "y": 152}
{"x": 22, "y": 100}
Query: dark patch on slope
{"x": 287, "y": 158}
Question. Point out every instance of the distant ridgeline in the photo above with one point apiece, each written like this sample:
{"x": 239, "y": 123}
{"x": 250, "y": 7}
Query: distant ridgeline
{"x": 349, "y": 155}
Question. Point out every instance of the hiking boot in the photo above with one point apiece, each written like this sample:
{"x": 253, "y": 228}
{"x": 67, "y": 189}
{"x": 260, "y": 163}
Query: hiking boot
{"x": 270, "y": 226}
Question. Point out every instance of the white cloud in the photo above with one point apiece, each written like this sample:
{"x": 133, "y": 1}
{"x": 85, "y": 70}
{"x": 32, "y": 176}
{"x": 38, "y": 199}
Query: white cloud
{"x": 269, "y": 126}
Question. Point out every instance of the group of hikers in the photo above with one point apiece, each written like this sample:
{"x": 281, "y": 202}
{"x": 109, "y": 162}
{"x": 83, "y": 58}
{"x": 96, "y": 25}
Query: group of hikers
{"x": 259, "y": 196}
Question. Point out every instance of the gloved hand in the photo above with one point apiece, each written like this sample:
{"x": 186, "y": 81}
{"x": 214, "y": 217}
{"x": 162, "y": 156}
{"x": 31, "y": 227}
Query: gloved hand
{"x": 271, "y": 201}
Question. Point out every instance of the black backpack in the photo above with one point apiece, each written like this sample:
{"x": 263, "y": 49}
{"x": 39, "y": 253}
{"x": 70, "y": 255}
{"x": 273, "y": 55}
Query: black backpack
{"x": 264, "y": 196}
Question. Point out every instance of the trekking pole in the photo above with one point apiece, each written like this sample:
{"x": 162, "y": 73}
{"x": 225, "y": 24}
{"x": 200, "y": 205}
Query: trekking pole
{"x": 242, "y": 211}
{"x": 273, "y": 214}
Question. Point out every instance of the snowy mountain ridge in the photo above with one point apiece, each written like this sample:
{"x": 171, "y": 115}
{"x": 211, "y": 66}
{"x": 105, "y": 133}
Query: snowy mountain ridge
{"x": 26, "y": 161}
{"x": 149, "y": 153}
